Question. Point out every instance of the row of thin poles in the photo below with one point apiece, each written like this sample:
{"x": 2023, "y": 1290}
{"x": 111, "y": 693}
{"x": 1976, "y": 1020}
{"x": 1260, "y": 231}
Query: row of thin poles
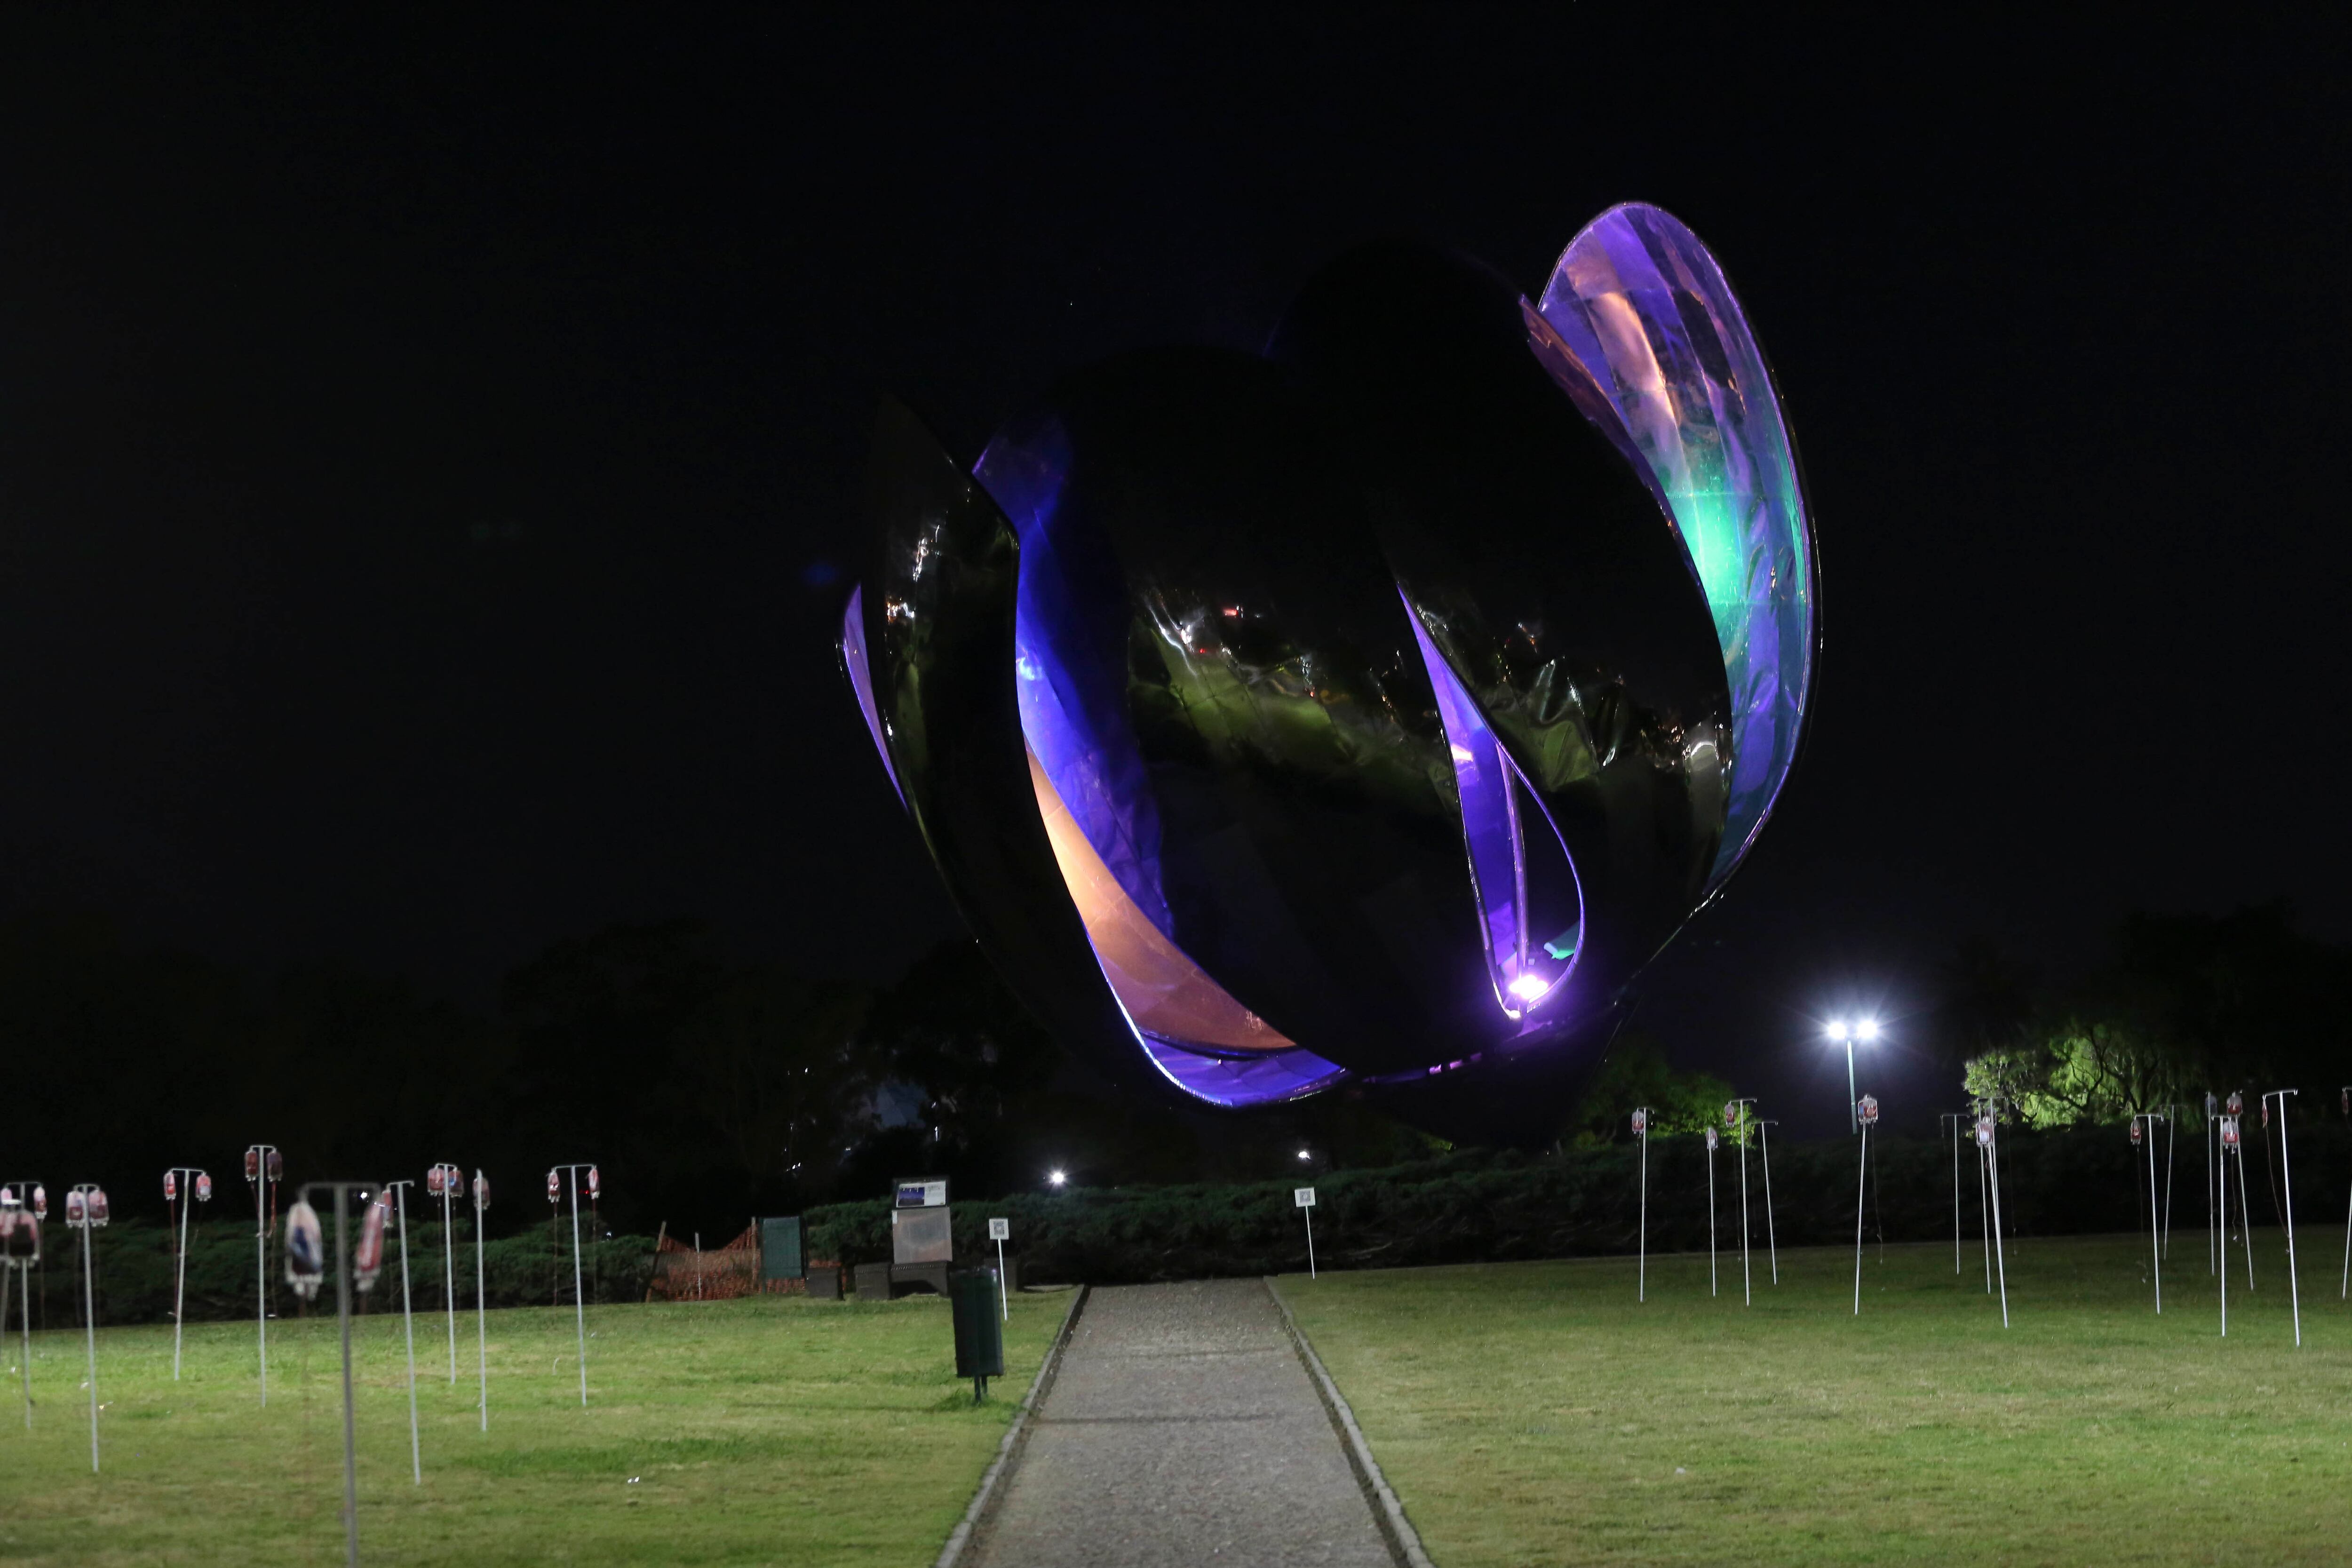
{"x": 1737, "y": 1116}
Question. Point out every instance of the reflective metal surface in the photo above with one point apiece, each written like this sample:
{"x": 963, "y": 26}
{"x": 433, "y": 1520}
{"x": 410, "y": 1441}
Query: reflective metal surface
{"x": 1365, "y": 710}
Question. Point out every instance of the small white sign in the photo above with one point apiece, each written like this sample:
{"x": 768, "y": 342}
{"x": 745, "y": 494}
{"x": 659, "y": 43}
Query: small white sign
{"x": 999, "y": 1230}
{"x": 1303, "y": 1196}
{"x": 921, "y": 1194}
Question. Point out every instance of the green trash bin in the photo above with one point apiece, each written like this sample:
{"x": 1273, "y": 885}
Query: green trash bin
{"x": 979, "y": 1332}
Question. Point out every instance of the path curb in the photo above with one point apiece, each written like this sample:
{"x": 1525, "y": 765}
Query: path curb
{"x": 983, "y": 1501}
{"x": 1387, "y": 1512}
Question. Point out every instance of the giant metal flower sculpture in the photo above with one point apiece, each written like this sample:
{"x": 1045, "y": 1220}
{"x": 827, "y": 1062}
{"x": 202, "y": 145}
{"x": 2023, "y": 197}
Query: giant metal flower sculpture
{"x": 1370, "y": 710}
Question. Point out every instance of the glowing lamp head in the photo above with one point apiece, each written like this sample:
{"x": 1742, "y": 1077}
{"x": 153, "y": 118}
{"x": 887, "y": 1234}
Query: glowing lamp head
{"x": 1529, "y": 987}
{"x": 1838, "y": 1032}
{"x": 1866, "y": 1031}
{"x": 1302, "y": 1154}
{"x": 1055, "y": 1178}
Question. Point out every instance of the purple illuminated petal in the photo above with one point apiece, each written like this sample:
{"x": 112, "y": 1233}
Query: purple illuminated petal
{"x": 1526, "y": 964}
{"x": 1640, "y": 306}
{"x": 1243, "y": 1080}
{"x": 861, "y": 678}
{"x": 1078, "y": 733}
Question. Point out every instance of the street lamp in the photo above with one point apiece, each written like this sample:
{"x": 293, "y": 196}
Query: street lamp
{"x": 1865, "y": 1030}
{"x": 1055, "y": 1178}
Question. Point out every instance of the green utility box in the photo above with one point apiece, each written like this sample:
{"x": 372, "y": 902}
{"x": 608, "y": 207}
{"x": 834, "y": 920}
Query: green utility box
{"x": 979, "y": 1331}
{"x": 780, "y": 1249}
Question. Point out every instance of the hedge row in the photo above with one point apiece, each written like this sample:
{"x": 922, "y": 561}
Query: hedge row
{"x": 1486, "y": 1207}
{"x": 133, "y": 1265}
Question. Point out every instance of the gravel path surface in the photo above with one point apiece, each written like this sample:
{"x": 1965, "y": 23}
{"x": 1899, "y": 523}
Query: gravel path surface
{"x": 1181, "y": 1428}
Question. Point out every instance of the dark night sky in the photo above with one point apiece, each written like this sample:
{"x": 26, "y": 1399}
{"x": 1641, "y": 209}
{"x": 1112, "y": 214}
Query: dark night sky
{"x": 418, "y": 443}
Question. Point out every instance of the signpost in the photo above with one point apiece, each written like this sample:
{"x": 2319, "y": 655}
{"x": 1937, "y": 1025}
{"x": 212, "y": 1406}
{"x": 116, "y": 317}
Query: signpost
{"x": 579, "y": 1300}
{"x": 201, "y": 1192}
{"x": 1304, "y": 1198}
{"x": 1865, "y": 1113}
{"x": 446, "y": 1183}
{"x": 2294, "y": 1288}
{"x": 1000, "y": 1231}
{"x": 264, "y": 1168}
{"x": 1642, "y": 1241}
{"x": 86, "y": 1210}
{"x": 2212, "y": 1236}
{"x": 2149, "y": 1118}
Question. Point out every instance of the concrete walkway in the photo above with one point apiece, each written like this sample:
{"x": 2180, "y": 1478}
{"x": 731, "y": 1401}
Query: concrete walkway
{"x": 1181, "y": 1428}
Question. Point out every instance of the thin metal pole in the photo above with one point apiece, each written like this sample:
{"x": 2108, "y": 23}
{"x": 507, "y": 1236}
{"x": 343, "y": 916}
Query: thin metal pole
{"x": 2212, "y": 1249}
{"x": 449, "y": 1270}
{"x": 2224, "y": 1174}
{"x": 1862, "y": 1177}
{"x": 1746, "y": 1278}
{"x": 180, "y": 1301}
{"x": 579, "y": 1299}
{"x": 1772, "y": 1240}
{"x": 90, "y": 1326}
{"x": 2293, "y": 1287}
{"x": 1854, "y": 1116}
{"x": 408, "y": 1332}
{"x": 25, "y": 1317}
{"x": 2155, "y": 1240}
{"x": 2245, "y": 1214}
{"x": 1998, "y": 1255}
{"x": 2171, "y": 1125}
{"x": 1309, "y": 1213}
{"x": 481, "y": 1319}
{"x": 1003, "y": 1295}
{"x": 344, "y": 1318}
{"x": 1956, "y": 1192}
{"x": 261, "y": 1273}
{"x": 1984, "y": 1210}
{"x": 1642, "y": 1235}
{"x": 1710, "y": 1217}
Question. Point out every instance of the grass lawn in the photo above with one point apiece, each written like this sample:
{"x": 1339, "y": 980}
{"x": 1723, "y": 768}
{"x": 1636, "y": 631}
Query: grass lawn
{"x": 1535, "y": 1414}
{"x": 774, "y": 1430}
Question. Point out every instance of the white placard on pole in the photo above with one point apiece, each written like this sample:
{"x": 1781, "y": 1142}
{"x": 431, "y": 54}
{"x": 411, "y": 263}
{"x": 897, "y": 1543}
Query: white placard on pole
{"x": 1304, "y": 1198}
{"x": 1000, "y": 1231}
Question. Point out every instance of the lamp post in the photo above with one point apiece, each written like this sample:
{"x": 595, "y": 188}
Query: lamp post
{"x": 86, "y": 1210}
{"x": 200, "y": 1191}
{"x": 579, "y": 1301}
{"x": 265, "y": 1167}
{"x": 1864, "y": 1030}
{"x": 446, "y": 1182}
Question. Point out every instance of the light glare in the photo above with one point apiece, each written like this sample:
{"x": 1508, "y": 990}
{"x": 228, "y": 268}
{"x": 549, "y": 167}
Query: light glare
{"x": 1528, "y": 987}
{"x": 1866, "y": 1031}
